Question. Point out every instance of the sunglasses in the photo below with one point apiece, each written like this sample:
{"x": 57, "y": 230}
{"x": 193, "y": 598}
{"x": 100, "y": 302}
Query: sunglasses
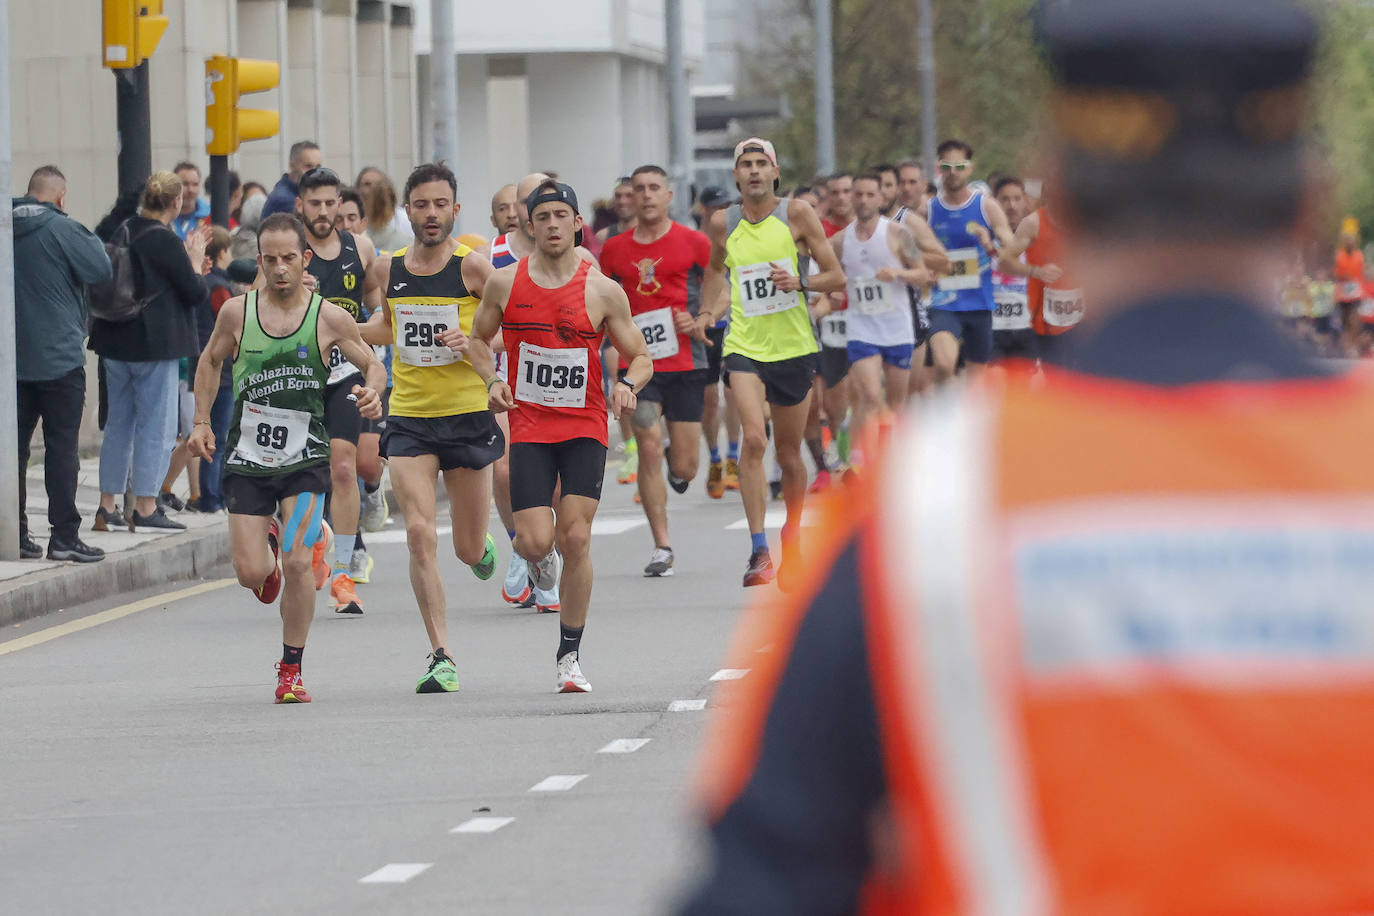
{"x": 955, "y": 166}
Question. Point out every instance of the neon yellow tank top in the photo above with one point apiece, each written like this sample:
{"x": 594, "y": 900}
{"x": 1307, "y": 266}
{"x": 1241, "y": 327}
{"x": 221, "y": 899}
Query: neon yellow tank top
{"x": 766, "y": 324}
{"x": 427, "y": 378}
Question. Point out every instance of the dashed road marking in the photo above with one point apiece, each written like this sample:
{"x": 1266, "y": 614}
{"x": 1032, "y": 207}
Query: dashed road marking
{"x": 729, "y": 674}
{"x": 557, "y": 783}
{"x": 398, "y": 535}
{"x": 482, "y": 825}
{"x": 395, "y": 873}
{"x": 624, "y": 746}
{"x": 773, "y": 518}
{"x": 601, "y": 526}
{"x": 686, "y": 705}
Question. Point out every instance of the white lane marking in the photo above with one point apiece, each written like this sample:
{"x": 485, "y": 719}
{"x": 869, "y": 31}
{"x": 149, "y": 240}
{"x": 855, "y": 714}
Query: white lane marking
{"x": 686, "y": 705}
{"x": 398, "y": 535}
{"x": 114, "y": 613}
{"x": 624, "y": 746}
{"x": 395, "y": 873}
{"x": 557, "y": 783}
{"x": 482, "y": 825}
{"x": 616, "y": 525}
{"x": 773, "y": 518}
{"x": 729, "y": 674}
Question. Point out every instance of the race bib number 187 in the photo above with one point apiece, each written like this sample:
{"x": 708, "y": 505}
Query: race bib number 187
{"x": 758, "y": 294}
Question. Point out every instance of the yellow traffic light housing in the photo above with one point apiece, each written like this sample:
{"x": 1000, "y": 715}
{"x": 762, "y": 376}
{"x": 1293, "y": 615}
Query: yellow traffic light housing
{"x": 132, "y": 29}
{"x": 227, "y": 125}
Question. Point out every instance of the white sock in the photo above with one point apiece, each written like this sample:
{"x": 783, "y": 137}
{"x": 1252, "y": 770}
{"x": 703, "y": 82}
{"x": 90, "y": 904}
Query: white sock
{"x": 343, "y": 550}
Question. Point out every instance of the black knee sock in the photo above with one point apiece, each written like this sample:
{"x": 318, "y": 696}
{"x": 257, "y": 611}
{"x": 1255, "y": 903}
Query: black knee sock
{"x": 570, "y": 638}
{"x": 817, "y": 452}
{"x": 291, "y": 655}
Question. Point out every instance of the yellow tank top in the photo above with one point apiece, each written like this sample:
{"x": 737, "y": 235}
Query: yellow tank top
{"x": 766, "y": 324}
{"x": 427, "y": 378}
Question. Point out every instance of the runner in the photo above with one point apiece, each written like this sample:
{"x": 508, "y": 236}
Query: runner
{"x": 967, "y": 224}
{"x": 623, "y": 203}
{"x": 1012, "y": 334}
{"x": 559, "y": 307}
{"x": 660, "y": 265}
{"x": 439, "y": 426}
{"x": 277, "y": 453}
{"x": 1054, "y": 301}
{"x": 913, "y": 214}
{"x": 770, "y": 348}
{"x": 505, "y": 214}
{"x": 840, "y": 198}
{"x": 911, "y": 187}
{"x": 352, "y": 212}
{"x": 887, "y": 174}
{"x": 1348, "y": 272}
{"x": 340, "y": 262}
{"x": 830, "y": 406}
{"x": 719, "y": 406}
{"x": 880, "y": 259}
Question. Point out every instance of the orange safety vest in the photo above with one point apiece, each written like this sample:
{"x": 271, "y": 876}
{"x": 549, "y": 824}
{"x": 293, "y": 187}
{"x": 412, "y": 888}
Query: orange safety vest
{"x": 1054, "y": 307}
{"x": 1121, "y": 642}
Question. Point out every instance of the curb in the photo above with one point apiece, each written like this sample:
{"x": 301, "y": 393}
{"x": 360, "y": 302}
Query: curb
{"x": 50, "y": 590}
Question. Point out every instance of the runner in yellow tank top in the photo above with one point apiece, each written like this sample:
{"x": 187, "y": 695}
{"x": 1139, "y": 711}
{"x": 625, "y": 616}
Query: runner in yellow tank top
{"x": 770, "y": 349}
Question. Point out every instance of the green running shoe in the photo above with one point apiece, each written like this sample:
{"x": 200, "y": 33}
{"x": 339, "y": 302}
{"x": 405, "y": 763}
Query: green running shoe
{"x": 442, "y": 677}
{"x": 487, "y": 565}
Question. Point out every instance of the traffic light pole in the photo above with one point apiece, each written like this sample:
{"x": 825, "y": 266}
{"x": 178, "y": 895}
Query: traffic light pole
{"x": 219, "y": 190}
{"x": 134, "y": 120}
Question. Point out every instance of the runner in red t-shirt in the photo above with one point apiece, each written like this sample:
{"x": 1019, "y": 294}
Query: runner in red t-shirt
{"x": 552, "y": 309}
{"x": 660, "y": 264}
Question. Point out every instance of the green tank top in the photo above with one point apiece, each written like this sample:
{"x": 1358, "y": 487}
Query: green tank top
{"x": 766, "y": 324}
{"x": 278, "y": 424}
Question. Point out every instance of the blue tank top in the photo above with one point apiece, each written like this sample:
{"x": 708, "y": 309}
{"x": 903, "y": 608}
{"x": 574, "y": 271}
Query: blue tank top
{"x": 969, "y": 287}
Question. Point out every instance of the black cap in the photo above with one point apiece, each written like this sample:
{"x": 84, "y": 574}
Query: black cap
{"x": 553, "y": 192}
{"x": 715, "y": 197}
{"x": 1178, "y": 113}
{"x": 243, "y": 270}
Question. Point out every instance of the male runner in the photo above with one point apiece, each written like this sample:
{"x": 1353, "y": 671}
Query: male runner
{"x": 887, "y": 174}
{"x": 352, "y": 212}
{"x": 840, "y": 197}
{"x": 439, "y": 425}
{"x": 1012, "y": 335}
{"x": 623, "y": 203}
{"x": 880, "y": 259}
{"x": 770, "y": 349}
{"x": 1053, "y": 299}
{"x": 339, "y": 263}
{"x": 830, "y": 317}
{"x": 911, "y": 187}
{"x": 552, "y": 309}
{"x": 505, "y": 214}
{"x": 719, "y": 405}
{"x": 912, "y": 213}
{"x": 969, "y": 225}
{"x": 660, "y": 264}
{"x": 277, "y": 448}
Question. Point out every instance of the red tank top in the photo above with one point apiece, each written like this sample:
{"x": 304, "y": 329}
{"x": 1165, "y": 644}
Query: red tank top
{"x": 1048, "y": 249}
{"x": 555, "y": 361}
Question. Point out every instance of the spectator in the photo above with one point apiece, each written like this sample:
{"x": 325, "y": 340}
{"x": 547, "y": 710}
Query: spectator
{"x": 141, "y": 358}
{"x": 305, "y": 155}
{"x": 379, "y": 201}
{"x": 195, "y": 210}
{"x": 400, "y": 221}
{"x": 352, "y": 212}
{"x": 235, "y": 197}
{"x": 245, "y": 237}
{"x": 249, "y": 189}
{"x": 54, "y": 256}
{"x": 125, "y": 206}
{"x": 219, "y": 252}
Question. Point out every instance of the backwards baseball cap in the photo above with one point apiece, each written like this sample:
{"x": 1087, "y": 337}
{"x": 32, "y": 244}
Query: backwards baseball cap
{"x": 558, "y": 193}
{"x": 715, "y": 197}
{"x": 756, "y": 145}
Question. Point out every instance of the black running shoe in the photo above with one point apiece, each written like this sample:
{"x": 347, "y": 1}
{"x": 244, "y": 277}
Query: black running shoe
{"x": 166, "y": 501}
{"x": 678, "y": 484}
{"x": 109, "y": 520}
{"x": 74, "y": 550}
{"x": 28, "y": 548}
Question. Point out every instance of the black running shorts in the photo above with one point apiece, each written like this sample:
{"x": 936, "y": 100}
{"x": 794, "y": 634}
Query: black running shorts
{"x": 465, "y": 440}
{"x": 341, "y": 415}
{"x": 536, "y": 468}
{"x": 786, "y": 382}
{"x": 245, "y": 495}
{"x": 681, "y": 395}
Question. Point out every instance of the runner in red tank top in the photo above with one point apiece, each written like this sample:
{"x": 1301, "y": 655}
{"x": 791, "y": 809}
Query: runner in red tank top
{"x": 552, "y": 309}
{"x": 1054, "y": 301}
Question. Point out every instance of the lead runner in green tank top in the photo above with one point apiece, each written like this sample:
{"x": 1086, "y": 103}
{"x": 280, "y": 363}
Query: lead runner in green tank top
{"x": 278, "y": 450}
{"x": 757, "y": 247}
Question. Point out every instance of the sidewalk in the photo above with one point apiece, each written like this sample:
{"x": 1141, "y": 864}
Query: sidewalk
{"x": 30, "y": 588}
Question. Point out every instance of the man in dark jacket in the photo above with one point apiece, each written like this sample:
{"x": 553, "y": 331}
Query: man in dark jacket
{"x": 305, "y": 155}
{"x": 54, "y": 257}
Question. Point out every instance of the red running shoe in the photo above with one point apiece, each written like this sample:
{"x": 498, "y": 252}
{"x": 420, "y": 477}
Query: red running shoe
{"x": 760, "y": 571}
{"x": 271, "y": 586}
{"x": 821, "y": 483}
{"x": 289, "y": 686}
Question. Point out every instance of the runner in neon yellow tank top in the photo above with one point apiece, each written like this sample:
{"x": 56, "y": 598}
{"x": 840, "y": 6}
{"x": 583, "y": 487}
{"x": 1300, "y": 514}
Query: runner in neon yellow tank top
{"x": 770, "y": 349}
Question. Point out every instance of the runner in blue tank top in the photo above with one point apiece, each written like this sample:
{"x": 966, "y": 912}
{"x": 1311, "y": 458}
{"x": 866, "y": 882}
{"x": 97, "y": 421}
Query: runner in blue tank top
{"x": 969, "y": 225}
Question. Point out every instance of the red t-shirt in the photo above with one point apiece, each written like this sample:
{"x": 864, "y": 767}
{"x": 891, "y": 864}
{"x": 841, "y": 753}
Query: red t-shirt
{"x": 1349, "y": 275}
{"x": 661, "y": 279}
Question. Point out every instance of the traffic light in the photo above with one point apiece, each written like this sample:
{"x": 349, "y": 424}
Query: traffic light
{"x": 132, "y": 30}
{"x": 226, "y": 124}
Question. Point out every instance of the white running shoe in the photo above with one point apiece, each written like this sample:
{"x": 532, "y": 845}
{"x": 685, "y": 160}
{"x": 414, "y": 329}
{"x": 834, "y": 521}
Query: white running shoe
{"x": 547, "y": 571}
{"x": 516, "y": 589}
{"x": 570, "y": 679}
{"x": 376, "y": 511}
{"x": 360, "y": 566}
{"x": 660, "y": 563}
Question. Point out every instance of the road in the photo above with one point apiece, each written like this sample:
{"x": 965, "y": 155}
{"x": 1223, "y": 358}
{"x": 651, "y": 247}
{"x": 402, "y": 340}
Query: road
{"x": 144, "y": 768}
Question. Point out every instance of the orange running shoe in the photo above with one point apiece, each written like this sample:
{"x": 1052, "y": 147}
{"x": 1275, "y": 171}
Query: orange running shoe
{"x": 320, "y": 553}
{"x": 271, "y": 586}
{"x": 731, "y": 474}
{"x": 345, "y": 595}
{"x": 715, "y": 481}
{"x": 289, "y": 686}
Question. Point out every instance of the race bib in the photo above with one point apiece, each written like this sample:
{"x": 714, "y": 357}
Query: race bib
{"x": 418, "y": 327}
{"x": 339, "y": 368}
{"x": 759, "y": 295}
{"x": 1063, "y": 308}
{"x": 834, "y": 330}
{"x": 1350, "y": 291}
{"x": 272, "y": 437}
{"x": 1009, "y": 312}
{"x": 963, "y": 271}
{"x": 554, "y": 378}
{"x": 659, "y": 335}
{"x": 1367, "y": 309}
{"x": 870, "y": 296}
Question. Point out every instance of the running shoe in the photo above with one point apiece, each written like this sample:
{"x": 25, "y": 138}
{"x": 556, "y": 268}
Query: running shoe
{"x": 158, "y": 519}
{"x": 760, "y": 571}
{"x": 629, "y": 468}
{"x": 169, "y": 500}
{"x": 775, "y": 490}
{"x": 487, "y": 565}
{"x": 320, "y": 554}
{"x": 546, "y": 601}
{"x": 29, "y": 549}
{"x": 715, "y": 481}
{"x": 376, "y": 510}
{"x": 570, "y": 679}
{"x": 271, "y": 586}
{"x": 660, "y": 563}
{"x": 821, "y": 483}
{"x": 360, "y": 566}
{"x": 517, "y": 589}
{"x": 546, "y": 572}
{"x": 442, "y": 677}
{"x": 345, "y": 595}
{"x": 289, "y": 686}
{"x": 731, "y": 474}
{"x": 109, "y": 520}
{"x": 678, "y": 484}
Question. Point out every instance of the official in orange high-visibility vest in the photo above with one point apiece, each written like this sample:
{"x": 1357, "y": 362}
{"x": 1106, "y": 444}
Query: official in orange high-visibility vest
{"x": 1105, "y": 646}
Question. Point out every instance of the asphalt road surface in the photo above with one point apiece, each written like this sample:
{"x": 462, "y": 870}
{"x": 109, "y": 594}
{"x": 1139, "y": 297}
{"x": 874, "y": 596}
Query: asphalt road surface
{"x": 144, "y": 768}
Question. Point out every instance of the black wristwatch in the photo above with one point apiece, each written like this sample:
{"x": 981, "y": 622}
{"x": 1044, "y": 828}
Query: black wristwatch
{"x": 628, "y": 384}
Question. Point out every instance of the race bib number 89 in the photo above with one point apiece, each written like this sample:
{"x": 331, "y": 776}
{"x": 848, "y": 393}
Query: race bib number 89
{"x": 759, "y": 295}
{"x": 272, "y": 437}
{"x": 554, "y": 378}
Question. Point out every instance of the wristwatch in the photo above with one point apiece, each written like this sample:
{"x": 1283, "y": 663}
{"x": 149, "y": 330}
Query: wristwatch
{"x": 628, "y": 384}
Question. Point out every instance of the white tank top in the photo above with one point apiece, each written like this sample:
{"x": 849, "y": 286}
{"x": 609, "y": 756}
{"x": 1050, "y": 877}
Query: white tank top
{"x": 879, "y": 313}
